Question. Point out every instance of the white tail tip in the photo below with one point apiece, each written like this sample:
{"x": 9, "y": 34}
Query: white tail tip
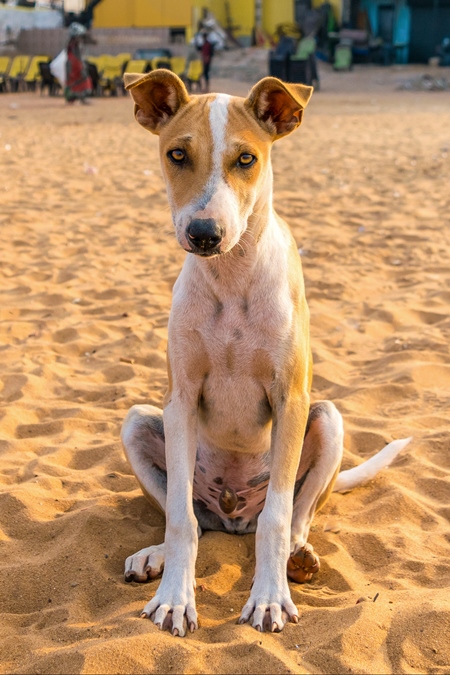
{"x": 347, "y": 480}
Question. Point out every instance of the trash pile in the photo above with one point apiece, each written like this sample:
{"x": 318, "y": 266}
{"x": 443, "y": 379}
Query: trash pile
{"x": 426, "y": 83}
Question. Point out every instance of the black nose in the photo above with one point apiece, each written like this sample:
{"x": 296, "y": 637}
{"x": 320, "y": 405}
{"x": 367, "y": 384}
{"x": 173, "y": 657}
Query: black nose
{"x": 204, "y": 234}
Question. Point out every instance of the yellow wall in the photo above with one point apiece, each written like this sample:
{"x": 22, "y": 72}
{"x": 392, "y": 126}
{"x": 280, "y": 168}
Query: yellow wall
{"x": 173, "y": 13}
{"x": 242, "y": 13}
{"x": 142, "y": 13}
{"x": 276, "y": 12}
{"x": 113, "y": 14}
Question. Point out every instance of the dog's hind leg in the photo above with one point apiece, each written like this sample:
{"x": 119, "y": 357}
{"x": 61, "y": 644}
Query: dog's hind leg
{"x": 319, "y": 466}
{"x": 144, "y": 445}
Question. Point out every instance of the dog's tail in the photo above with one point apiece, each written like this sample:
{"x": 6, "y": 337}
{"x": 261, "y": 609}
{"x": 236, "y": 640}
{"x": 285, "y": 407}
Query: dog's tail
{"x": 347, "y": 480}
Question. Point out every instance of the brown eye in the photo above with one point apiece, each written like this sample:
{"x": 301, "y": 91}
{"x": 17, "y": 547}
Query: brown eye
{"x": 246, "y": 159}
{"x": 177, "y": 156}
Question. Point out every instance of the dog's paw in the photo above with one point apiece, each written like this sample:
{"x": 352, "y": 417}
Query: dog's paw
{"x": 269, "y": 610}
{"x": 145, "y": 564}
{"x": 302, "y": 564}
{"x": 173, "y": 608}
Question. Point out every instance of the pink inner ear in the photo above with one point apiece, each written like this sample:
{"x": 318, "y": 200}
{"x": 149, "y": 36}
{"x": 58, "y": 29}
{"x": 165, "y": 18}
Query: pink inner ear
{"x": 156, "y": 102}
{"x": 147, "y": 118}
{"x": 282, "y": 110}
{"x": 163, "y": 98}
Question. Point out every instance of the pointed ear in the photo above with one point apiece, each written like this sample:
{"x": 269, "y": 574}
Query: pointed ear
{"x": 278, "y": 106}
{"x": 157, "y": 97}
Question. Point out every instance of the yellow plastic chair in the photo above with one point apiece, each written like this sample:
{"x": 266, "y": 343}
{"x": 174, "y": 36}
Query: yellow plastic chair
{"x": 5, "y": 63}
{"x": 17, "y": 71}
{"x": 98, "y": 61}
{"x": 92, "y": 59}
{"x": 19, "y": 66}
{"x": 160, "y": 62}
{"x": 136, "y": 66}
{"x": 33, "y": 74}
{"x": 111, "y": 75}
{"x": 123, "y": 57}
{"x": 178, "y": 65}
{"x": 194, "y": 74}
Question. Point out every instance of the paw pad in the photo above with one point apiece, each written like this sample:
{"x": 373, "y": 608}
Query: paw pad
{"x": 302, "y": 564}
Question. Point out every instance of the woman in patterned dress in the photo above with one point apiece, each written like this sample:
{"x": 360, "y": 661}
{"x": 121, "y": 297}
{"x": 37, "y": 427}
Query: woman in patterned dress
{"x": 78, "y": 82}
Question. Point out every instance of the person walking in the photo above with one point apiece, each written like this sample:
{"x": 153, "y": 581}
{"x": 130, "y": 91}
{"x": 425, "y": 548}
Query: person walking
{"x": 78, "y": 83}
{"x": 207, "y": 53}
{"x": 207, "y": 40}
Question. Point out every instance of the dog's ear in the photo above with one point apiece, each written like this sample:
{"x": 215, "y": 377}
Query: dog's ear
{"x": 157, "y": 97}
{"x": 278, "y": 106}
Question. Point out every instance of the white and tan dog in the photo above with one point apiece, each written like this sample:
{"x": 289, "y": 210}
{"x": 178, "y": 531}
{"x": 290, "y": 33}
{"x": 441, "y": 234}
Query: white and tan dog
{"x": 239, "y": 447}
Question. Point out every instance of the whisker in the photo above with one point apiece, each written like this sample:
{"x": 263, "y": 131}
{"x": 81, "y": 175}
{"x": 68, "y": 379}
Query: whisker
{"x": 241, "y": 247}
{"x": 250, "y": 234}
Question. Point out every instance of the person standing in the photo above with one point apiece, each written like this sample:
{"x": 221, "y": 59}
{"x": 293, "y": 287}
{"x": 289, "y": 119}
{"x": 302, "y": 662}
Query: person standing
{"x": 207, "y": 52}
{"x": 208, "y": 38}
{"x": 78, "y": 83}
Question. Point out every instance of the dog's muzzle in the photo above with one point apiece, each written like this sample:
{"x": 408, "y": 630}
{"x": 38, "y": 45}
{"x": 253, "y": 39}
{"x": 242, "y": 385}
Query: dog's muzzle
{"x": 204, "y": 236}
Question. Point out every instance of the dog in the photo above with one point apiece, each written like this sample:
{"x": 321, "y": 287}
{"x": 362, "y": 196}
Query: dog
{"x": 239, "y": 447}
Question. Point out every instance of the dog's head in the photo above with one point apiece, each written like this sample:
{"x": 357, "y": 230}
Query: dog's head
{"x": 215, "y": 151}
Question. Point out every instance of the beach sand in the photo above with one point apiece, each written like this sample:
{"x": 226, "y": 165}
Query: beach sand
{"x": 88, "y": 263}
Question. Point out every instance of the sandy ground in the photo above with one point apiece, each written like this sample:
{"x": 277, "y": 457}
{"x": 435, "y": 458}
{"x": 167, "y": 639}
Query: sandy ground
{"x": 88, "y": 263}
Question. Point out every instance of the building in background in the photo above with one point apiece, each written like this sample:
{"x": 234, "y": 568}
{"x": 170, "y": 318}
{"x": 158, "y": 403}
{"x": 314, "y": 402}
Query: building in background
{"x": 430, "y": 25}
{"x": 413, "y": 27}
{"x": 238, "y": 16}
{"x": 407, "y": 30}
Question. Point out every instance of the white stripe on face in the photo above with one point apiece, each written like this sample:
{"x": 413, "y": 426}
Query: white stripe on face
{"x": 216, "y": 199}
{"x": 218, "y": 116}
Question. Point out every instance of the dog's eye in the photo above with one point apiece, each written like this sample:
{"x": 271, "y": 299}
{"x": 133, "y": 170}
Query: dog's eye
{"x": 246, "y": 159}
{"x": 177, "y": 156}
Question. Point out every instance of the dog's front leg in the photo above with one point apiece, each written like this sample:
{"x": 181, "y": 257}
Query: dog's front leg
{"x": 173, "y": 606}
{"x": 270, "y": 601}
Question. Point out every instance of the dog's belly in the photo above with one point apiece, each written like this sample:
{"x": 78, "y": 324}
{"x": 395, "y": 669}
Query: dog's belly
{"x": 232, "y": 485}
{"x": 232, "y": 467}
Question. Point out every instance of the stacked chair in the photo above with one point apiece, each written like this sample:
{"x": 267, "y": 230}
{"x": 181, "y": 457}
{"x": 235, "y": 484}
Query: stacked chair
{"x": 194, "y": 74}
{"x": 160, "y": 62}
{"x": 17, "y": 71}
{"x": 20, "y": 73}
{"x": 140, "y": 66}
{"x": 178, "y": 65}
{"x": 33, "y": 74}
{"x": 5, "y": 63}
{"x": 137, "y": 66}
{"x": 110, "y": 75}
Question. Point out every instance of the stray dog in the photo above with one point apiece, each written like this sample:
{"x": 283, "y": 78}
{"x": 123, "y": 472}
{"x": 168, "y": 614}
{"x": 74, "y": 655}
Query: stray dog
{"x": 239, "y": 447}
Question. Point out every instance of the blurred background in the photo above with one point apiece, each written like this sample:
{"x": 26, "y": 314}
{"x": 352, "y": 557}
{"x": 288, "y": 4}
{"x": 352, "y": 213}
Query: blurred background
{"x": 296, "y": 40}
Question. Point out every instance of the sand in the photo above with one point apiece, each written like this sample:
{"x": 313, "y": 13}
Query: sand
{"x": 88, "y": 263}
